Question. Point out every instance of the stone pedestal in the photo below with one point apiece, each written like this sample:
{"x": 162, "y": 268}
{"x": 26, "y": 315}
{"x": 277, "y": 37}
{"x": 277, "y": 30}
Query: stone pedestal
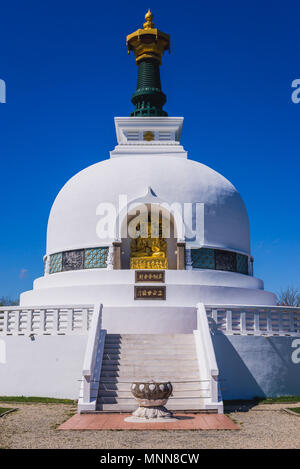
{"x": 151, "y": 397}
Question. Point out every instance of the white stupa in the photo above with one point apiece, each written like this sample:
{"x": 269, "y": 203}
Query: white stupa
{"x": 181, "y": 306}
{"x": 156, "y": 173}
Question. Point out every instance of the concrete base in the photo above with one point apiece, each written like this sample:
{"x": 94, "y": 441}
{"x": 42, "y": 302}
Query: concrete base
{"x": 116, "y": 288}
{"x": 51, "y": 366}
{"x": 48, "y": 366}
{"x": 257, "y": 366}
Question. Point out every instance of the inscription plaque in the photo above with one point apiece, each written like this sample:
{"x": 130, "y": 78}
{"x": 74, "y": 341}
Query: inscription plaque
{"x": 150, "y": 293}
{"x": 149, "y": 276}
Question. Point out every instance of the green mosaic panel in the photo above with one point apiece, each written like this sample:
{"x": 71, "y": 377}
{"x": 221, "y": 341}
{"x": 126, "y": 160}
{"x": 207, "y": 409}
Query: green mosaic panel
{"x": 56, "y": 263}
{"x": 225, "y": 260}
{"x": 242, "y": 264}
{"x": 203, "y": 258}
{"x": 95, "y": 258}
{"x": 72, "y": 260}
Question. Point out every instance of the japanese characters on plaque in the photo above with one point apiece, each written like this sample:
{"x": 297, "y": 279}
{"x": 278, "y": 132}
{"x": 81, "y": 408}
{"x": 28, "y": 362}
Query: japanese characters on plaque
{"x": 149, "y": 293}
{"x": 147, "y": 276}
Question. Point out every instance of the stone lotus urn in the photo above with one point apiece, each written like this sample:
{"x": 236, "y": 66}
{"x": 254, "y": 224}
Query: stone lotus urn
{"x": 151, "y": 397}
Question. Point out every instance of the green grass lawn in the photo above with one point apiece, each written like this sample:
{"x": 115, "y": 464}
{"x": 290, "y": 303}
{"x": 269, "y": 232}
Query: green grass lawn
{"x": 268, "y": 400}
{"x": 295, "y": 409}
{"x": 281, "y": 399}
{"x": 5, "y": 409}
{"x": 35, "y": 399}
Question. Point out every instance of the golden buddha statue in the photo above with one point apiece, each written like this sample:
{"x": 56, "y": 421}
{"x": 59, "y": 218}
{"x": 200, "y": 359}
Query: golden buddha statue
{"x": 148, "y": 253}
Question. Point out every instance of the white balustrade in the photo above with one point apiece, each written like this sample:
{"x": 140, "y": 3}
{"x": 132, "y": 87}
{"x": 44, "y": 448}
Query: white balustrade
{"x": 206, "y": 358}
{"x": 92, "y": 363}
{"x": 46, "y": 320}
{"x": 254, "y": 320}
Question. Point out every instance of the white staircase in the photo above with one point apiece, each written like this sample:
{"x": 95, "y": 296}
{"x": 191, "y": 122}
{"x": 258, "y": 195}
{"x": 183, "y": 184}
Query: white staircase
{"x": 113, "y": 361}
{"x": 130, "y": 357}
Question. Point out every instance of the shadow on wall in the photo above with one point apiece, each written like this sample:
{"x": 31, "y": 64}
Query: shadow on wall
{"x": 256, "y": 366}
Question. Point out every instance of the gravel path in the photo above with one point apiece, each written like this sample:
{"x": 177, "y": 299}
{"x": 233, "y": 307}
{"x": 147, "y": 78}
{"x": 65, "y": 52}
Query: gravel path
{"x": 34, "y": 426}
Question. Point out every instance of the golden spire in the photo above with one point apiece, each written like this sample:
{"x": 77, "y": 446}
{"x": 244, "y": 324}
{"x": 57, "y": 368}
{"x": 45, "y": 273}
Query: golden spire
{"x": 148, "y": 18}
{"x": 148, "y": 42}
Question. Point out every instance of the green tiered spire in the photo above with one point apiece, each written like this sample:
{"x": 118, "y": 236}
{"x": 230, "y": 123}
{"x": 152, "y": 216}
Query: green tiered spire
{"x": 148, "y": 45}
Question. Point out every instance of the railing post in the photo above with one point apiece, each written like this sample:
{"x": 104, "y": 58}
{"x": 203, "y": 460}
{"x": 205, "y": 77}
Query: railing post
{"x": 214, "y": 315}
{"x": 29, "y": 321}
{"x": 292, "y": 322}
{"x": 18, "y": 321}
{"x": 269, "y": 323}
{"x": 6, "y": 319}
{"x": 86, "y": 388}
{"x": 214, "y": 388}
{"x": 85, "y": 320}
{"x": 243, "y": 323}
{"x": 229, "y": 321}
{"x": 56, "y": 321}
{"x": 42, "y": 320}
{"x": 256, "y": 322}
{"x": 70, "y": 319}
{"x": 280, "y": 325}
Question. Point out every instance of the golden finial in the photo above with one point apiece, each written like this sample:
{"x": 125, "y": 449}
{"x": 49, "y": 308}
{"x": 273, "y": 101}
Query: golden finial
{"x": 148, "y": 42}
{"x": 148, "y": 18}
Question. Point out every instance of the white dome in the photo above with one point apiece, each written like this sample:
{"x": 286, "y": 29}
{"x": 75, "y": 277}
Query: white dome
{"x": 73, "y": 219}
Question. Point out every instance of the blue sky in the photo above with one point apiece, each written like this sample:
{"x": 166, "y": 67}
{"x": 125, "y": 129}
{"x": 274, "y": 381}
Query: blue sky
{"x": 229, "y": 74}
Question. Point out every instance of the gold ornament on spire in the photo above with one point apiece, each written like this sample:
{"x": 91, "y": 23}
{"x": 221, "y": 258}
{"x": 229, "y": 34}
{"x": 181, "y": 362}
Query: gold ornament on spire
{"x": 148, "y": 43}
{"x": 148, "y": 18}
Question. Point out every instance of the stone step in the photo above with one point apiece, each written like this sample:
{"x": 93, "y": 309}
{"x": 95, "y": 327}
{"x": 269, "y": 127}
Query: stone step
{"x": 147, "y": 336}
{"x": 152, "y": 340}
{"x": 162, "y": 343}
{"x": 195, "y": 401}
{"x": 176, "y": 394}
{"x": 148, "y": 355}
{"x": 158, "y": 344}
{"x": 169, "y": 375}
{"x": 132, "y": 357}
{"x": 135, "y": 349}
{"x": 177, "y": 387}
{"x": 150, "y": 361}
{"x": 138, "y": 377}
{"x": 151, "y": 365}
{"x": 130, "y": 408}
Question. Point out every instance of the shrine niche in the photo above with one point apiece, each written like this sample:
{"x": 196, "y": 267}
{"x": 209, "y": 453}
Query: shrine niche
{"x": 148, "y": 251}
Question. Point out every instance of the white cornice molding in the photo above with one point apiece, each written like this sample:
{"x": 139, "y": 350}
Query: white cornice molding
{"x": 166, "y": 133}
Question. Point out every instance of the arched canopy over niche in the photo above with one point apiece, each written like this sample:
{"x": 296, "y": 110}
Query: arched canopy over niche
{"x": 150, "y": 231}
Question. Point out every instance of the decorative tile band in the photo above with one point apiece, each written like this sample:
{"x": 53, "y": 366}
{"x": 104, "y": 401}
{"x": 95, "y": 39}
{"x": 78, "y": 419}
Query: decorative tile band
{"x": 95, "y": 258}
{"x": 242, "y": 264}
{"x": 217, "y": 259}
{"x": 92, "y": 258}
{"x": 56, "y": 263}
{"x": 203, "y": 258}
